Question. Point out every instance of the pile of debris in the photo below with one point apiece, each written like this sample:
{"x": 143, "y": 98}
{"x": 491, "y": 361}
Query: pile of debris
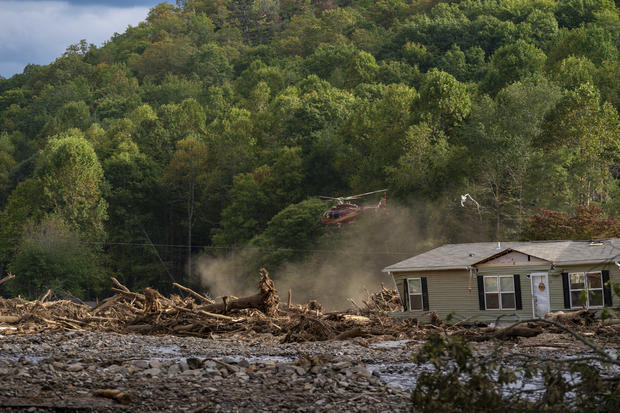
{"x": 196, "y": 315}
{"x": 385, "y": 301}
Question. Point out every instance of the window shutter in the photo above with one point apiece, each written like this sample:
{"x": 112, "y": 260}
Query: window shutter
{"x": 406, "y": 294}
{"x": 424, "y": 294}
{"x": 566, "y": 288}
{"x": 481, "y": 292}
{"x": 518, "y": 302}
{"x": 606, "y": 289}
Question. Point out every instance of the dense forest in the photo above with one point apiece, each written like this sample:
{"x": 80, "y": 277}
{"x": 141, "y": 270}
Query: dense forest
{"x": 212, "y": 127}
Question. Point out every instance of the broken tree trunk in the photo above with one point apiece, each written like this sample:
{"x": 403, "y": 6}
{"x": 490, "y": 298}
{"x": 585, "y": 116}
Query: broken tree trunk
{"x": 581, "y": 317}
{"x": 266, "y": 300}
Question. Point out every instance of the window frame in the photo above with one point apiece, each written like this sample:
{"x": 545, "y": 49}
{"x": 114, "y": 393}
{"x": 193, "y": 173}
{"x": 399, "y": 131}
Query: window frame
{"x": 499, "y": 292}
{"x": 421, "y": 294}
{"x": 587, "y": 289}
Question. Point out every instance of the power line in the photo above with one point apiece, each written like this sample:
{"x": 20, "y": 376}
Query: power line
{"x": 235, "y": 248}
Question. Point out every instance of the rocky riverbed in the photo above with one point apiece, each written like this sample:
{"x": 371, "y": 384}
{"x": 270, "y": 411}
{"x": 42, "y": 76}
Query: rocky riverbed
{"x": 98, "y": 371}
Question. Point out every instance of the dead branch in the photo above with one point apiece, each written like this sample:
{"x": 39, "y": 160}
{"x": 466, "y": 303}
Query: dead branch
{"x": 46, "y": 296}
{"x": 8, "y": 277}
{"x": 130, "y": 294}
{"x": 119, "y": 285}
{"x": 194, "y": 294}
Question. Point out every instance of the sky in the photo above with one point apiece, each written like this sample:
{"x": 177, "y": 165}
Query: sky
{"x": 39, "y": 31}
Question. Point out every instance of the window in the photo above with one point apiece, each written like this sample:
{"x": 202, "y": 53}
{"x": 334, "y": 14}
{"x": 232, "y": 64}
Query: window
{"x": 499, "y": 292}
{"x": 415, "y": 293}
{"x": 586, "y": 289}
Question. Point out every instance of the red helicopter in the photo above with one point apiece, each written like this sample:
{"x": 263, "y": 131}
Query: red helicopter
{"x": 345, "y": 212}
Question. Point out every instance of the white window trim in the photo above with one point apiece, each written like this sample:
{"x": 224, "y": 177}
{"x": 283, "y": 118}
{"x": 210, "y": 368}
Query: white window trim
{"x": 409, "y": 294}
{"x": 499, "y": 292}
{"x": 587, "y": 288}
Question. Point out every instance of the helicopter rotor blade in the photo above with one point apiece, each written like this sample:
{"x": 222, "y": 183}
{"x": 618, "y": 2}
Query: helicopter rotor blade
{"x": 364, "y": 194}
{"x": 341, "y": 199}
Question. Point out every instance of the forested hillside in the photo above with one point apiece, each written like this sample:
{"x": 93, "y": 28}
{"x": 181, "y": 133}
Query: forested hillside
{"x": 212, "y": 127}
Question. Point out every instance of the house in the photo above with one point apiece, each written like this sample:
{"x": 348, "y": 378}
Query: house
{"x": 512, "y": 280}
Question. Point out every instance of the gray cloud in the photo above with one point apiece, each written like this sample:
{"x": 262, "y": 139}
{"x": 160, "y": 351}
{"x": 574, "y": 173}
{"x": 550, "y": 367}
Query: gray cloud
{"x": 38, "y": 32}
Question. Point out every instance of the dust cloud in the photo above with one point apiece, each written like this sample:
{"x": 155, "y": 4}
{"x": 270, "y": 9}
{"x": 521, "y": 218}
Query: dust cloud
{"x": 225, "y": 276}
{"x": 347, "y": 264}
{"x": 344, "y": 265}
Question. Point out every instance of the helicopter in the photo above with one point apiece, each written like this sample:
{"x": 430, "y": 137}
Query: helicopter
{"x": 344, "y": 212}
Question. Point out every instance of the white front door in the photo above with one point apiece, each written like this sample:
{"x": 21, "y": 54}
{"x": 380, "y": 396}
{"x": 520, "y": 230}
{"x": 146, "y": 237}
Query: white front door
{"x": 541, "y": 303}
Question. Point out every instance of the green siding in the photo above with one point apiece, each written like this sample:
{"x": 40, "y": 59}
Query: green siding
{"x": 448, "y": 291}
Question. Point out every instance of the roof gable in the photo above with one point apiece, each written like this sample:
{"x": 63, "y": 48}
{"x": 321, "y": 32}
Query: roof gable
{"x": 510, "y": 256}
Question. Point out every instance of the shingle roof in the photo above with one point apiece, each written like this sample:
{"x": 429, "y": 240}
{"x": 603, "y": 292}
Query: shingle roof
{"x": 454, "y": 256}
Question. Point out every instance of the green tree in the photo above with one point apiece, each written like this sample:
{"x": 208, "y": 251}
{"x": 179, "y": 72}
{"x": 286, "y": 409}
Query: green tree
{"x": 71, "y": 180}
{"x": 444, "y": 99}
{"x": 377, "y": 131}
{"x": 589, "y": 129}
{"x": 7, "y": 163}
{"x": 361, "y": 68}
{"x": 573, "y": 71}
{"x": 186, "y": 174}
{"x": 594, "y": 42}
{"x": 292, "y": 229}
{"x": 513, "y": 62}
{"x": 574, "y": 13}
{"x": 501, "y": 135}
{"x": 52, "y": 256}
{"x": 211, "y": 64}
{"x": 258, "y": 196}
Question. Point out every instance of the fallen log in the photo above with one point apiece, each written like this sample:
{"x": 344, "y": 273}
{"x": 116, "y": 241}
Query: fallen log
{"x": 509, "y": 332}
{"x": 10, "y": 319}
{"x": 267, "y": 300}
{"x": 358, "y": 319}
{"x": 581, "y": 317}
{"x": 522, "y": 331}
{"x": 108, "y": 302}
{"x": 352, "y": 333}
{"x": 208, "y": 314}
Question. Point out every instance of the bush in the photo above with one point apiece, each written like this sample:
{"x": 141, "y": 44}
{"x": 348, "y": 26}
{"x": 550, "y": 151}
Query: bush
{"x": 51, "y": 256}
{"x": 453, "y": 380}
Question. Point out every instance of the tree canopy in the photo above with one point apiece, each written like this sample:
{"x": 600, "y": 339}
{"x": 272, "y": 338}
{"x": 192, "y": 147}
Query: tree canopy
{"x": 212, "y": 127}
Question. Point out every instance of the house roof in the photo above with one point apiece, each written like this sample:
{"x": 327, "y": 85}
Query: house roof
{"x": 462, "y": 256}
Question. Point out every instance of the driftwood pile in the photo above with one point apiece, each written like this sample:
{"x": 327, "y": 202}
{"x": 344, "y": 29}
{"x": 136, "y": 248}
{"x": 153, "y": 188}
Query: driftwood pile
{"x": 385, "y": 301}
{"x": 149, "y": 312}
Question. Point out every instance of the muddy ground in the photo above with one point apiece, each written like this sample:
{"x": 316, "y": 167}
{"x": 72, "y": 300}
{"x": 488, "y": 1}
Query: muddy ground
{"x": 63, "y": 371}
{"x": 69, "y": 371}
